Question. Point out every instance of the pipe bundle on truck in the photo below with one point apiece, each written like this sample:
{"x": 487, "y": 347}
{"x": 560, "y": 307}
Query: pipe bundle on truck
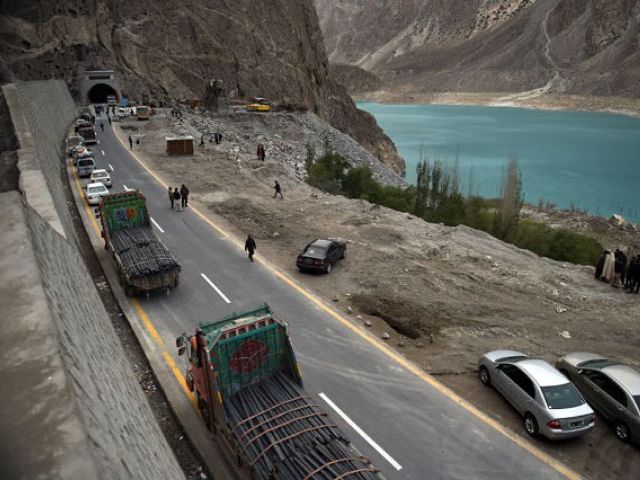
{"x": 249, "y": 391}
{"x": 143, "y": 262}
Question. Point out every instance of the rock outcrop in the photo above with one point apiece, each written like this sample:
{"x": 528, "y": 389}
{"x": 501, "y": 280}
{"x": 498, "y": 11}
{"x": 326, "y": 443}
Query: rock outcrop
{"x": 561, "y": 46}
{"x": 169, "y": 50}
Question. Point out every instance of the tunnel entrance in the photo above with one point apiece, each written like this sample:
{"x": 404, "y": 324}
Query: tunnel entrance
{"x": 99, "y": 93}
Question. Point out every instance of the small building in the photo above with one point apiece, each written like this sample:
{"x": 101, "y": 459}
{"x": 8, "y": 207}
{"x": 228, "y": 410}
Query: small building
{"x": 180, "y": 145}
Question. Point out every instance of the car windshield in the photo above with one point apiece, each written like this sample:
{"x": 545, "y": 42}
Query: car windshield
{"x": 597, "y": 363}
{"x": 85, "y": 163}
{"x": 562, "y": 396}
{"x": 99, "y": 174}
{"x": 96, "y": 189}
{"x": 315, "y": 251}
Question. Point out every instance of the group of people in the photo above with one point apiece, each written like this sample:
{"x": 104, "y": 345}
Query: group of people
{"x": 179, "y": 198}
{"x": 618, "y": 270}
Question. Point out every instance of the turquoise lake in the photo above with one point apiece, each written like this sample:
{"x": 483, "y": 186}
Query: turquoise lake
{"x": 590, "y": 160}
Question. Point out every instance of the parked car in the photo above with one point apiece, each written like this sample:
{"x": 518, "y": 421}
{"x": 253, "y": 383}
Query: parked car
{"x": 102, "y": 176}
{"x": 321, "y": 255}
{"x": 93, "y": 192}
{"x": 74, "y": 141}
{"x": 86, "y": 165}
{"x": 611, "y": 388}
{"x": 549, "y": 403}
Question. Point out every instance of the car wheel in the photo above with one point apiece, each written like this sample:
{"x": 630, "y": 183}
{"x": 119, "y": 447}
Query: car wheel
{"x": 328, "y": 268}
{"x": 622, "y": 431}
{"x": 485, "y": 378}
{"x": 531, "y": 425}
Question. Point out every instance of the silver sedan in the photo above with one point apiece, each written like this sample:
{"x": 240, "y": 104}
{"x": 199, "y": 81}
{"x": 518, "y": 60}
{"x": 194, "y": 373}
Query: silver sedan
{"x": 549, "y": 403}
{"x": 612, "y": 388}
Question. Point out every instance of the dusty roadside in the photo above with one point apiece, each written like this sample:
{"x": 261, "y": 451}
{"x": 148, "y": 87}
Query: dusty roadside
{"x": 444, "y": 295}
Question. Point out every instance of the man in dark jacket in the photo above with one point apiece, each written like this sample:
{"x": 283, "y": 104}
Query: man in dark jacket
{"x": 184, "y": 191}
{"x": 176, "y": 199}
{"x": 634, "y": 274}
{"x": 250, "y": 246}
{"x": 278, "y": 190}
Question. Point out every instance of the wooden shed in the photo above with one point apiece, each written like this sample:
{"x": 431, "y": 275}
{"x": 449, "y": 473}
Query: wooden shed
{"x": 180, "y": 145}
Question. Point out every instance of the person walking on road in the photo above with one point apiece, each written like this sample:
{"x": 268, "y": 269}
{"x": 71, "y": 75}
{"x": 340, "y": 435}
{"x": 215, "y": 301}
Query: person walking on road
{"x": 170, "y": 192}
{"x": 250, "y": 247}
{"x": 184, "y": 192}
{"x": 102, "y": 127}
{"x": 109, "y": 119}
{"x": 130, "y": 143}
{"x": 176, "y": 199}
{"x": 278, "y": 190}
{"x": 260, "y": 152}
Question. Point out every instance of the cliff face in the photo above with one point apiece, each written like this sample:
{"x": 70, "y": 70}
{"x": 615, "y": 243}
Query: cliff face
{"x": 170, "y": 49}
{"x": 561, "y": 46}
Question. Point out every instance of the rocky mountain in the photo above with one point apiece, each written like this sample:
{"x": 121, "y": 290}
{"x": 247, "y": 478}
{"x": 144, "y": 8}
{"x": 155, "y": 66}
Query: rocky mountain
{"x": 169, "y": 49}
{"x": 587, "y": 47}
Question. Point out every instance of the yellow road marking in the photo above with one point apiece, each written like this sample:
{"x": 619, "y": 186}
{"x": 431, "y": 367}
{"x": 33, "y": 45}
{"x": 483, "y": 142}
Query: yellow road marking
{"x": 521, "y": 442}
{"x": 147, "y": 323}
{"x": 179, "y": 377}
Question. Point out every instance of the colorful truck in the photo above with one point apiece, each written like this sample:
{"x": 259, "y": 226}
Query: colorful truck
{"x": 143, "y": 262}
{"x": 249, "y": 391}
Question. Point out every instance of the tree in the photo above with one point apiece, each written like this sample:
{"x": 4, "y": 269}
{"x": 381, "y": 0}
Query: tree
{"x": 508, "y": 212}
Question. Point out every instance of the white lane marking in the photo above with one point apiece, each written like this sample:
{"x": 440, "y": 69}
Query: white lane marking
{"x": 361, "y": 432}
{"x": 111, "y": 167}
{"x": 102, "y": 152}
{"x": 213, "y": 285}
{"x": 156, "y": 224}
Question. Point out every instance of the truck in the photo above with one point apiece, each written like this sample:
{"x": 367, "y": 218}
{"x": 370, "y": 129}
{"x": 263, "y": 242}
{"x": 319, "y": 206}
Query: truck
{"x": 87, "y": 131}
{"x": 142, "y": 261}
{"x": 249, "y": 391}
{"x": 143, "y": 112}
{"x": 111, "y": 100}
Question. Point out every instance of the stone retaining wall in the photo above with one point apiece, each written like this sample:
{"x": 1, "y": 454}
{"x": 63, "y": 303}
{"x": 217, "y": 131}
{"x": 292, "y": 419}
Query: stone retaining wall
{"x": 70, "y": 406}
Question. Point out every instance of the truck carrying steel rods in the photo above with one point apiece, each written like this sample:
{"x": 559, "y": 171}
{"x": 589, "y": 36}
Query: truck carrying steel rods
{"x": 249, "y": 391}
{"x": 143, "y": 262}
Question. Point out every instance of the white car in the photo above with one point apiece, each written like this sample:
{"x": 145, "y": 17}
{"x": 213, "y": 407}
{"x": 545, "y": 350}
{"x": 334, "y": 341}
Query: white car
{"x": 101, "y": 176}
{"x": 93, "y": 192}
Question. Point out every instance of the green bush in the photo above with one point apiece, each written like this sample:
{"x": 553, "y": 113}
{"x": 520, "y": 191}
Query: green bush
{"x": 436, "y": 199}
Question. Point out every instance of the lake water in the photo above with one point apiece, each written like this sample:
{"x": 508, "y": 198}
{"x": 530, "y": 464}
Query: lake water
{"x": 590, "y": 160}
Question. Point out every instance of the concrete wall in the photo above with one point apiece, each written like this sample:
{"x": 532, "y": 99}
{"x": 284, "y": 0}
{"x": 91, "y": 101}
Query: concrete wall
{"x": 70, "y": 406}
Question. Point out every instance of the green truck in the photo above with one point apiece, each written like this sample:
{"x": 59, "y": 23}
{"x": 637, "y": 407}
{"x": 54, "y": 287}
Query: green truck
{"x": 143, "y": 263}
{"x": 249, "y": 391}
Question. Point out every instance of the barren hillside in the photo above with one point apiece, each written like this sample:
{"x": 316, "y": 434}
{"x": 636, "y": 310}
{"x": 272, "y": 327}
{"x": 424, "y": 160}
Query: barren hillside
{"x": 168, "y": 50}
{"x": 587, "y": 47}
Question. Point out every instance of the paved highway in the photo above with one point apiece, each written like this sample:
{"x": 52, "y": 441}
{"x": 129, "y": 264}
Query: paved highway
{"x": 409, "y": 426}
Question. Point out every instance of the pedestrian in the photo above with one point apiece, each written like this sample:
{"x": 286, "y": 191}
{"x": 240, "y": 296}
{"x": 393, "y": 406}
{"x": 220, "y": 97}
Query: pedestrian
{"x": 102, "y": 126}
{"x": 278, "y": 190}
{"x": 170, "y": 192}
{"x": 635, "y": 276}
{"x": 184, "y": 192}
{"x": 176, "y": 199}
{"x": 260, "y": 152}
{"x": 600, "y": 264}
{"x": 202, "y": 140}
{"x": 607, "y": 271}
{"x": 109, "y": 118}
{"x": 620, "y": 260}
{"x": 250, "y": 246}
{"x": 130, "y": 143}
{"x": 237, "y": 164}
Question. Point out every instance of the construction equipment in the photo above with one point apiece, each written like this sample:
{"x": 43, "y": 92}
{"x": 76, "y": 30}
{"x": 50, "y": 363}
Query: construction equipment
{"x": 143, "y": 262}
{"x": 249, "y": 391}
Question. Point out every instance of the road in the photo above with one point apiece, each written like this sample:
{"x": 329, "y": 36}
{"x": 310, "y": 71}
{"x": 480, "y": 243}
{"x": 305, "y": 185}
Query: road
{"x": 409, "y": 426}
